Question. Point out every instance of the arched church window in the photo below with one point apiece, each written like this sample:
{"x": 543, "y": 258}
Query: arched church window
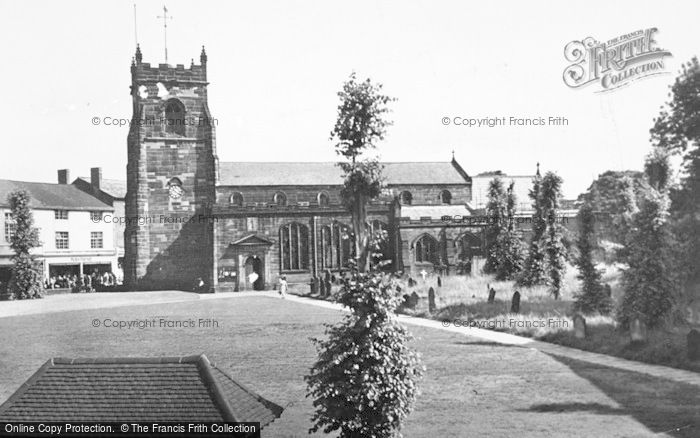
{"x": 294, "y": 247}
{"x": 175, "y": 117}
{"x": 406, "y": 198}
{"x": 446, "y": 197}
{"x": 344, "y": 244}
{"x": 236, "y": 199}
{"x": 323, "y": 199}
{"x": 426, "y": 250}
{"x": 326, "y": 247}
{"x": 280, "y": 199}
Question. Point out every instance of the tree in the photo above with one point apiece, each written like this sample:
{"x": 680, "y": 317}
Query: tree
{"x": 553, "y": 239}
{"x": 496, "y": 215}
{"x": 26, "y": 280}
{"x": 534, "y": 271}
{"x": 365, "y": 380}
{"x": 592, "y": 297}
{"x": 651, "y": 280}
{"x": 677, "y": 130}
{"x": 360, "y": 125}
{"x": 503, "y": 245}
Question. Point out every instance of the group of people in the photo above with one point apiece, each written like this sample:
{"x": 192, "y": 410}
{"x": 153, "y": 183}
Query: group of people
{"x": 323, "y": 285}
{"x": 82, "y": 283}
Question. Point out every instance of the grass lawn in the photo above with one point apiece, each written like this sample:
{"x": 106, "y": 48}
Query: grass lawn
{"x": 471, "y": 388}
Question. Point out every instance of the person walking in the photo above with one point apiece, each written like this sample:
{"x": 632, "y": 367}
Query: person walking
{"x": 283, "y": 286}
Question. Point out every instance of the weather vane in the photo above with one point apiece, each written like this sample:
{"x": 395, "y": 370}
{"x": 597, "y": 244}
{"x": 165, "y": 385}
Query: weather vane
{"x": 165, "y": 18}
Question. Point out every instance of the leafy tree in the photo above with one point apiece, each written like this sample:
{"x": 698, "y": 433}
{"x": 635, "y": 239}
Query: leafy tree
{"x": 553, "y": 238}
{"x": 534, "y": 272}
{"x": 496, "y": 214}
{"x": 506, "y": 251}
{"x": 365, "y": 381}
{"x": 360, "y": 125}
{"x": 26, "y": 280}
{"x": 677, "y": 130}
{"x": 593, "y": 297}
{"x": 651, "y": 281}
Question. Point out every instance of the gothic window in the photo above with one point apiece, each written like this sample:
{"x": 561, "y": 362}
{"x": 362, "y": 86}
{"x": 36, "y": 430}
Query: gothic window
{"x": 294, "y": 247}
{"x": 426, "y": 250}
{"x": 236, "y": 199}
{"x": 323, "y": 199}
{"x": 280, "y": 199}
{"x": 343, "y": 243}
{"x": 326, "y": 247}
{"x": 406, "y": 198}
{"x": 175, "y": 117}
{"x": 446, "y": 197}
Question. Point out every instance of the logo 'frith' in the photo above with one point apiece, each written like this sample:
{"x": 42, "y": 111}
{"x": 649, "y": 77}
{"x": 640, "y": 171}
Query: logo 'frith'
{"x": 614, "y": 63}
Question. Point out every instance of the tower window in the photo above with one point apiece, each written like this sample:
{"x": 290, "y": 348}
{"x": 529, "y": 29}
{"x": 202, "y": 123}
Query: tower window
{"x": 175, "y": 117}
{"x": 446, "y": 197}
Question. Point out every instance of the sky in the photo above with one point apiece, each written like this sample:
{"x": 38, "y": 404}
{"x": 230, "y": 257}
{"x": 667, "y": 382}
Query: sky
{"x": 275, "y": 68}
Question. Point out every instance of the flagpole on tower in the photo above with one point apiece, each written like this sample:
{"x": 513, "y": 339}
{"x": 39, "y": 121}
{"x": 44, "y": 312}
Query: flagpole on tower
{"x": 165, "y": 30}
{"x": 136, "y": 32}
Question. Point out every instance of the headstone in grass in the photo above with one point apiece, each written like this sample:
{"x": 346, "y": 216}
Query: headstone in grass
{"x": 411, "y": 282}
{"x": 492, "y": 295}
{"x": 638, "y": 330}
{"x": 439, "y": 281}
{"x": 515, "y": 304}
{"x": 579, "y": 326}
{"x": 693, "y": 339}
{"x": 431, "y": 300}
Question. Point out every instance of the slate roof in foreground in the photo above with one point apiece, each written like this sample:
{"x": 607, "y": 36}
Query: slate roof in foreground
{"x": 136, "y": 389}
{"x": 52, "y": 196}
{"x": 328, "y": 173}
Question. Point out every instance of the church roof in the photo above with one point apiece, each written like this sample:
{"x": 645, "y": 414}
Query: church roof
{"x": 135, "y": 389}
{"x": 50, "y": 196}
{"x": 328, "y": 173}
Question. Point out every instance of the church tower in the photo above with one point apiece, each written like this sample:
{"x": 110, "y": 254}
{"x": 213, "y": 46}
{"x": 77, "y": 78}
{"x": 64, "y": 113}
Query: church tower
{"x": 171, "y": 177}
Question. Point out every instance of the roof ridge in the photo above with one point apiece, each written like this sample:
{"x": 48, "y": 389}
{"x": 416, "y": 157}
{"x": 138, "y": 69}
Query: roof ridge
{"x": 123, "y": 360}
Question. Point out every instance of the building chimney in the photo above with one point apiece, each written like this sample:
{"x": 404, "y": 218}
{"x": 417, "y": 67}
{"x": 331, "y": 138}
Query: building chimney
{"x": 96, "y": 177}
{"x": 63, "y": 175}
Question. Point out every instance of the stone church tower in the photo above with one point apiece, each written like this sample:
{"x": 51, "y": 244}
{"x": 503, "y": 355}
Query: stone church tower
{"x": 171, "y": 177}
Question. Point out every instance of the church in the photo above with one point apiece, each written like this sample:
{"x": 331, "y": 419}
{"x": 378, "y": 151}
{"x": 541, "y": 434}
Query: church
{"x": 193, "y": 218}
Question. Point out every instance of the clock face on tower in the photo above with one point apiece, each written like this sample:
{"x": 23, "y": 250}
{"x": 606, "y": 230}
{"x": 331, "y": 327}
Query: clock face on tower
{"x": 175, "y": 189}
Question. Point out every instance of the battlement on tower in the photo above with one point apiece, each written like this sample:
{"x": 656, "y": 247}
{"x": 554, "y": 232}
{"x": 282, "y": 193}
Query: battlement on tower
{"x": 144, "y": 72}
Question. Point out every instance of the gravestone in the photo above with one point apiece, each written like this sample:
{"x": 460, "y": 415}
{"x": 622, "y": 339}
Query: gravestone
{"x": 638, "y": 330}
{"x": 411, "y": 282}
{"x": 608, "y": 290}
{"x": 439, "y": 281}
{"x": 406, "y": 301}
{"x": 515, "y": 304}
{"x": 492, "y": 296}
{"x": 322, "y": 288}
{"x": 413, "y": 302}
{"x": 693, "y": 339}
{"x": 431, "y": 300}
{"x": 579, "y": 326}
{"x": 329, "y": 288}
